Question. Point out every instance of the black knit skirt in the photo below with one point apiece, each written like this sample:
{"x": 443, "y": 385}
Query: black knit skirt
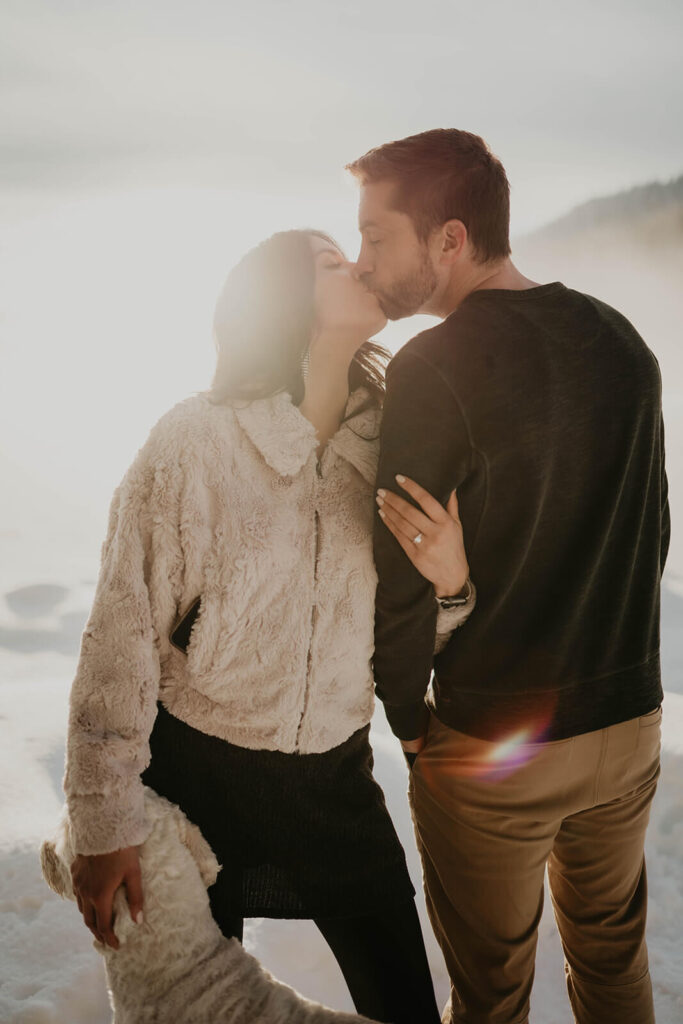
{"x": 297, "y": 835}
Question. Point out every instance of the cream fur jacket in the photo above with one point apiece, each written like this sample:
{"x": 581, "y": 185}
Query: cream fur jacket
{"x": 230, "y": 504}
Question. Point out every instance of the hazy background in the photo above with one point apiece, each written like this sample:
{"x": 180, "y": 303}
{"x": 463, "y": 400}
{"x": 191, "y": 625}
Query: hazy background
{"x": 143, "y": 147}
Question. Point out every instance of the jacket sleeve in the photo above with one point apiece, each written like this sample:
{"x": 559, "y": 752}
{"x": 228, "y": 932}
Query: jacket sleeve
{"x": 113, "y": 697}
{"x": 425, "y": 437}
{"x": 450, "y": 619}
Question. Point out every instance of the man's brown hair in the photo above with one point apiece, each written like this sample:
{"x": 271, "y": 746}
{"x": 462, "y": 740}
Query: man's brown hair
{"x": 445, "y": 174}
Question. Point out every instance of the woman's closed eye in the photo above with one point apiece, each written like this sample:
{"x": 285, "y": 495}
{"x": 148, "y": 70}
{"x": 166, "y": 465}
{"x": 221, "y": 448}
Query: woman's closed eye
{"x": 330, "y": 261}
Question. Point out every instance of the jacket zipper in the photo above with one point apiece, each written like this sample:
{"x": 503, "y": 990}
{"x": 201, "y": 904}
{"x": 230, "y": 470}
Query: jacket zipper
{"x": 314, "y": 616}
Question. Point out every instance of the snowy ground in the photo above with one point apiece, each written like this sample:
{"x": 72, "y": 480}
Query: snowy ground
{"x": 50, "y": 973}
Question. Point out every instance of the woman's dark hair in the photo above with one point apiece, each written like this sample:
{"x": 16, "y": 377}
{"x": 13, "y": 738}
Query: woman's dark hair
{"x": 264, "y": 321}
{"x": 445, "y": 174}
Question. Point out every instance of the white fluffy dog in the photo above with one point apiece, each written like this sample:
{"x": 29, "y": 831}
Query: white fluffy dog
{"x": 177, "y": 966}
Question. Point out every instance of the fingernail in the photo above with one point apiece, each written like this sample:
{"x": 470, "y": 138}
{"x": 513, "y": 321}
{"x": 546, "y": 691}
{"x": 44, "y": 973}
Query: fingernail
{"x": 381, "y": 492}
{"x": 380, "y": 501}
{"x": 381, "y": 513}
{"x": 401, "y": 479}
{"x": 138, "y": 917}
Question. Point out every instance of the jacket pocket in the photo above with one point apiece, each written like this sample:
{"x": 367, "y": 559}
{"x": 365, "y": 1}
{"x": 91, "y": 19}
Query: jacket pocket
{"x": 180, "y": 633}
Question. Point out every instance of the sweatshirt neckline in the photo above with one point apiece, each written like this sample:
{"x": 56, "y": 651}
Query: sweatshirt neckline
{"x": 517, "y": 294}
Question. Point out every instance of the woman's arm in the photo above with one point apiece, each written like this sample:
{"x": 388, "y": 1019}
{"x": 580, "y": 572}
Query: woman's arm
{"x": 112, "y": 709}
{"x": 113, "y": 697}
{"x": 432, "y": 538}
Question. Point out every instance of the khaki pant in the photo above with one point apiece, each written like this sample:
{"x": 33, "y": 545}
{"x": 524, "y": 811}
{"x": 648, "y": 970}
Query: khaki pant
{"x": 489, "y": 818}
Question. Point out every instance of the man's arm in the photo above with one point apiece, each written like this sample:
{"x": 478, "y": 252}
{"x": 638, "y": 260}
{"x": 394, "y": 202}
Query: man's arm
{"x": 424, "y": 437}
{"x": 666, "y": 516}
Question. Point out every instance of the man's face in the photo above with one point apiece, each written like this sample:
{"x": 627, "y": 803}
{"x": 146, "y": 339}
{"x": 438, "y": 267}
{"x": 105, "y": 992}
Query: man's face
{"x": 393, "y": 263}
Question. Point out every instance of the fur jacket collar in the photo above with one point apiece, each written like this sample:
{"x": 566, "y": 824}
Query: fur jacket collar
{"x": 285, "y": 438}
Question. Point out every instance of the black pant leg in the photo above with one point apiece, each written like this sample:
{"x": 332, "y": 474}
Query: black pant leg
{"x": 168, "y": 775}
{"x": 232, "y": 925}
{"x": 384, "y": 962}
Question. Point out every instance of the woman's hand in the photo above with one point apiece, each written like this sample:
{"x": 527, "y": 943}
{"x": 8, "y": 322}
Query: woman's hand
{"x": 431, "y": 538}
{"x": 95, "y": 880}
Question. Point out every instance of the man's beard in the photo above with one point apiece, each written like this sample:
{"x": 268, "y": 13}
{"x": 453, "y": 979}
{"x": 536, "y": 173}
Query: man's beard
{"x": 409, "y": 293}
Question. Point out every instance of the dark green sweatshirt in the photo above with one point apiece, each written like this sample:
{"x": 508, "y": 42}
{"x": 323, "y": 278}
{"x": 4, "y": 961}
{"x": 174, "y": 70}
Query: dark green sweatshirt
{"x": 543, "y": 409}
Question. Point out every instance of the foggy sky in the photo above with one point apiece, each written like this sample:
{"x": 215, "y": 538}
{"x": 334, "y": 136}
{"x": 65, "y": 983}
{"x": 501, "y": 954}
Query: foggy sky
{"x": 577, "y": 100}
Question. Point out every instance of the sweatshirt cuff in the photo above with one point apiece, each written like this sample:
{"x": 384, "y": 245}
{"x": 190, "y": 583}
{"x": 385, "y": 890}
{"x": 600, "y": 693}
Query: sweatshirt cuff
{"x": 408, "y": 721}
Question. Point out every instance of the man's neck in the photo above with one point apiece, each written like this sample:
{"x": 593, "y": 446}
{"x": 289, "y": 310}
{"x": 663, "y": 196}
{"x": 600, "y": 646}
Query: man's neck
{"x": 479, "y": 277}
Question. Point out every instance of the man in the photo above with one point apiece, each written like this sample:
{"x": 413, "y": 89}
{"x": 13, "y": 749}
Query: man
{"x": 539, "y": 740}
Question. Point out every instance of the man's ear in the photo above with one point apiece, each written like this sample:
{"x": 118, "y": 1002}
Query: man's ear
{"x": 454, "y": 239}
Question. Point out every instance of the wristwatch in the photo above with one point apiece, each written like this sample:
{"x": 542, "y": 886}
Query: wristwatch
{"x": 457, "y": 599}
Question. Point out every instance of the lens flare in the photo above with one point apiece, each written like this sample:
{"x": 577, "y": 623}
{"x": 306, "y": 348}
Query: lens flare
{"x": 470, "y": 757}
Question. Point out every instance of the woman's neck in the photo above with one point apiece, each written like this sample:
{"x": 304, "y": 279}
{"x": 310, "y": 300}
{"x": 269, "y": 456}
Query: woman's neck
{"x": 327, "y": 389}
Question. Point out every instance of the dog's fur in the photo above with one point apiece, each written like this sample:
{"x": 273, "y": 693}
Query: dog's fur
{"x": 176, "y": 966}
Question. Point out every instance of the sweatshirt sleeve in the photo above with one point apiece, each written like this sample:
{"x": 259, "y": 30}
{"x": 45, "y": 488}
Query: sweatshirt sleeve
{"x": 423, "y": 436}
{"x": 666, "y": 514}
{"x": 114, "y": 693}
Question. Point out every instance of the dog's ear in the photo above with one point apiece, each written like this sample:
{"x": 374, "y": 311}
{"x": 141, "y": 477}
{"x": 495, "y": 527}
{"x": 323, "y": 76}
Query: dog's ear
{"x": 55, "y": 871}
{"x": 199, "y": 848}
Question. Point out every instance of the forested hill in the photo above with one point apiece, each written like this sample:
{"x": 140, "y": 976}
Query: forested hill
{"x": 650, "y": 214}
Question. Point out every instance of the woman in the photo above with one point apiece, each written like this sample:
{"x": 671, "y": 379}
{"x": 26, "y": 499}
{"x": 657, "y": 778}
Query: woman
{"x": 254, "y": 504}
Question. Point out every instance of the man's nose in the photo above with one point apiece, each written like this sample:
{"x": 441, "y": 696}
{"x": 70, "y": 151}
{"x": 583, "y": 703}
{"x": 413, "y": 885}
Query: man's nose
{"x": 361, "y": 268}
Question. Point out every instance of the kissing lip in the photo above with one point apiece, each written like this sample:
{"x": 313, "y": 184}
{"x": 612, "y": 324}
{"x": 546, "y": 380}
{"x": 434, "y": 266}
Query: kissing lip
{"x": 369, "y": 290}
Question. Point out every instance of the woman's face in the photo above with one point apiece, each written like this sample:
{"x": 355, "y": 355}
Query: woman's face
{"x": 343, "y": 306}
